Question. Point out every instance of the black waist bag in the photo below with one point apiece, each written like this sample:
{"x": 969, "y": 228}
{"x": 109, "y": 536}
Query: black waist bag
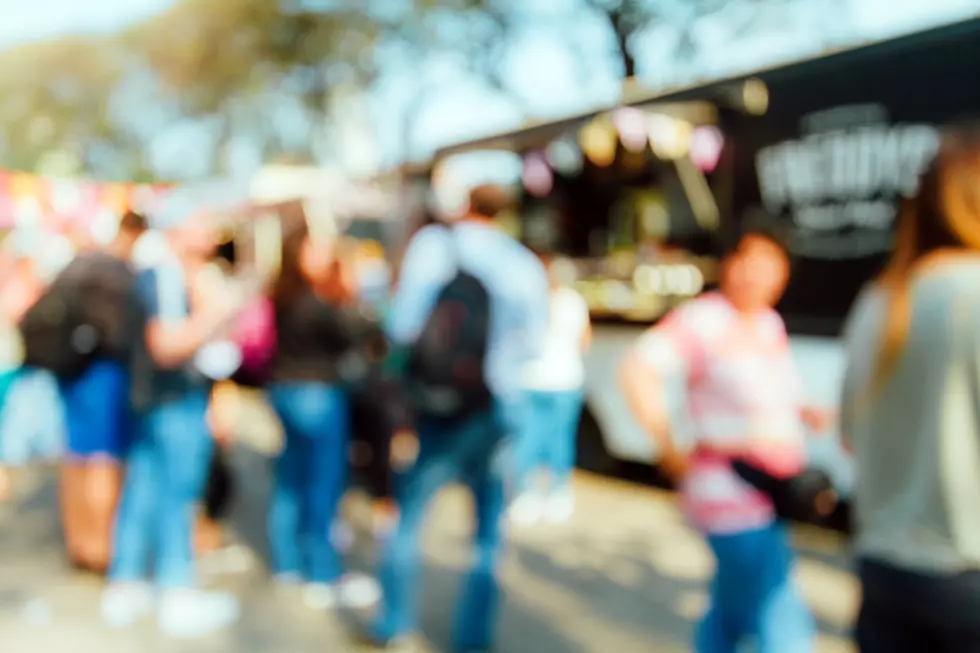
{"x": 445, "y": 373}
{"x": 801, "y": 498}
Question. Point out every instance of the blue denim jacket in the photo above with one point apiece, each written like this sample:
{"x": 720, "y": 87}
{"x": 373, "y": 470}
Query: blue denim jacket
{"x": 514, "y": 277}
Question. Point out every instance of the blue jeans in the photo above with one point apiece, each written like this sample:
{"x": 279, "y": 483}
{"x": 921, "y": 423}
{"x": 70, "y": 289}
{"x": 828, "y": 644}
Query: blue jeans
{"x": 548, "y": 437}
{"x": 753, "y": 596}
{"x": 467, "y": 452}
{"x": 167, "y": 468}
{"x": 310, "y": 479}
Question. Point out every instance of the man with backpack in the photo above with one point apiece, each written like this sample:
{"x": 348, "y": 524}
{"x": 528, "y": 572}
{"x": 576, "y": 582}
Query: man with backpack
{"x": 469, "y": 311}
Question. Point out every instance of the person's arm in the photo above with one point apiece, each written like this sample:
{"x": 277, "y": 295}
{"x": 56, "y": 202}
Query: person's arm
{"x": 585, "y": 340}
{"x": 857, "y": 349}
{"x": 670, "y": 348}
{"x": 537, "y": 309}
{"x": 424, "y": 266}
{"x": 173, "y": 336}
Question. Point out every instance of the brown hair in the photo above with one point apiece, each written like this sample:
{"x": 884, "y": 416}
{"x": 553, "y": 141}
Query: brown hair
{"x": 488, "y": 200}
{"x": 944, "y": 214}
{"x": 133, "y": 223}
{"x": 292, "y": 281}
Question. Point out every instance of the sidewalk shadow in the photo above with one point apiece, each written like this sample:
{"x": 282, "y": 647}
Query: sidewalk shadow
{"x": 658, "y": 586}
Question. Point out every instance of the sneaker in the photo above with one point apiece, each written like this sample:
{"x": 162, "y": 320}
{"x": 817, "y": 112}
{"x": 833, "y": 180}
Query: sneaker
{"x": 125, "y": 604}
{"x": 359, "y": 591}
{"x": 525, "y": 510}
{"x": 288, "y": 584}
{"x": 191, "y": 613}
{"x": 320, "y": 596}
{"x": 559, "y": 507}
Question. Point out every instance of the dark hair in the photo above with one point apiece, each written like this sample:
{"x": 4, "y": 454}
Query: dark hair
{"x": 291, "y": 282}
{"x": 133, "y": 223}
{"x": 488, "y": 200}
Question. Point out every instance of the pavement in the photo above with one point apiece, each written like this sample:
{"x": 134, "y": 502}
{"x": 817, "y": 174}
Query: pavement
{"x": 625, "y": 574}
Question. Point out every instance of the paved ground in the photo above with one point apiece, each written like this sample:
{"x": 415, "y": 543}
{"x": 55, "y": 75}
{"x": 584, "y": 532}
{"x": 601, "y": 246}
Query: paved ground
{"x": 625, "y": 575}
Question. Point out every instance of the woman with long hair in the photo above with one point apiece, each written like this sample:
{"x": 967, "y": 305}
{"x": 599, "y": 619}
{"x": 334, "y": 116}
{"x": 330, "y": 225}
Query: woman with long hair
{"x": 316, "y": 335}
{"x": 911, "y": 415}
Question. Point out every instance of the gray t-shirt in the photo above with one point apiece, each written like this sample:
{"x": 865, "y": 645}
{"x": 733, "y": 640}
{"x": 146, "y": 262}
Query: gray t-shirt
{"x": 916, "y": 442}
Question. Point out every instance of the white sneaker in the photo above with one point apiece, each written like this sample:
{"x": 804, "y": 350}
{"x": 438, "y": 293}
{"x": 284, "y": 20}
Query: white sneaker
{"x": 191, "y": 613}
{"x": 354, "y": 591}
{"x": 525, "y": 510}
{"x": 320, "y": 596}
{"x": 560, "y": 507}
{"x": 125, "y": 604}
{"x": 359, "y": 591}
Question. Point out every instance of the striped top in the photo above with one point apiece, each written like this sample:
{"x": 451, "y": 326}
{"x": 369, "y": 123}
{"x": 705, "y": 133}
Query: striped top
{"x": 742, "y": 389}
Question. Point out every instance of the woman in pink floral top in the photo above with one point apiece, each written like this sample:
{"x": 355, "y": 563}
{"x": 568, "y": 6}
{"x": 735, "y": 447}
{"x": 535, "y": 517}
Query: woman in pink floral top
{"x": 745, "y": 401}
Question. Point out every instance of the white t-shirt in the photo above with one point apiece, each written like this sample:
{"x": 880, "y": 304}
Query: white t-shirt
{"x": 560, "y": 365}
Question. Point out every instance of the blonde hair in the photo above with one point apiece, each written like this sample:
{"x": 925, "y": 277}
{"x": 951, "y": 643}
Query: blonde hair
{"x": 943, "y": 215}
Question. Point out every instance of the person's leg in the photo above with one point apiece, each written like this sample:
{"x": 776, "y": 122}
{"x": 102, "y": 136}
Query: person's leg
{"x": 560, "y": 449}
{"x": 753, "y": 596}
{"x": 181, "y": 434}
{"x": 327, "y": 430}
{"x": 880, "y": 630}
{"x": 560, "y": 453}
{"x": 103, "y": 478}
{"x": 185, "y": 445}
{"x": 217, "y": 500}
{"x": 782, "y": 622}
{"x": 105, "y": 396}
{"x": 528, "y": 451}
{"x": 127, "y": 597}
{"x": 71, "y": 504}
{"x": 399, "y": 566}
{"x": 479, "y": 602}
{"x": 286, "y": 503}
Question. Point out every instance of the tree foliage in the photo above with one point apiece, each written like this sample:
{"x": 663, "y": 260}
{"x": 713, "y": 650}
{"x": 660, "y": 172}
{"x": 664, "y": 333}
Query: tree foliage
{"x": 239, "y": 66}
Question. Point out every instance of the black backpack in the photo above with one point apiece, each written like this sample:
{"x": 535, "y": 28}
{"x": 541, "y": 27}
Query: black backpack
{"x": 446, "y": 366}
{"x": 90, "y": 310}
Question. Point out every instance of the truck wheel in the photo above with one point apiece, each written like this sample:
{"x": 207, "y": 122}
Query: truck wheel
{"x": 590, "y": 451}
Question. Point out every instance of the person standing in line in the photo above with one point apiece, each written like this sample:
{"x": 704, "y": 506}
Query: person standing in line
{"x": 555, "y": 391}
{"x": 745, "y": 400}
{"x": 18, "y": 290}
{"x": 910, "y": 413}
{"x": 462, "y": 287}
{"x": 169, "y": 459}
{"x": 318, "y": 333}
{"x": 97, "y": 413}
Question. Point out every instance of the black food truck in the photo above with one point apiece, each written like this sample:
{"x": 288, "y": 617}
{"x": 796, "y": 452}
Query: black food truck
{"x": 827, "y": 146}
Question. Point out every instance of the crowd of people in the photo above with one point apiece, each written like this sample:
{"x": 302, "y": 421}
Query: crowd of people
{"x": 473, "y": 373}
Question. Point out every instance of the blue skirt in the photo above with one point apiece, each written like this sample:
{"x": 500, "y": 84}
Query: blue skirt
{"x": 97, "y": 412}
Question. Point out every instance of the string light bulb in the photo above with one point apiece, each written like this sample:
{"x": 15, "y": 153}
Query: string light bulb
{"x": 599, "y": 142}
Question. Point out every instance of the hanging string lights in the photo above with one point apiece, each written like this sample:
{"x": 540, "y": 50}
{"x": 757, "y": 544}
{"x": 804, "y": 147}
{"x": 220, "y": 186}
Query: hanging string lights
{"x": 670, "y": 138}
{"x": 707, "y": 143}
{"x": 564, "y": 156}
{"x": 631, "y": 123}
{"x": 536, "y": 175}
{"x": 599, "y": 141}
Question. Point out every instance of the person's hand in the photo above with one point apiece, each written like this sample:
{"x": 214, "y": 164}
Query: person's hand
{"x": 221, "y": 416}
{"x": 674, "y": 464}
{"x": 404, "y": 449}
{"x": 818, "y": 420}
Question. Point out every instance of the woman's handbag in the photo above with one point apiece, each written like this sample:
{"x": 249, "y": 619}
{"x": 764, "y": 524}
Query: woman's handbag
{"x": 801, "y": 497}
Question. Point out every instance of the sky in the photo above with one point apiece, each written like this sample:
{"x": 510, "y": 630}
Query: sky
{"x": 541, "y": 66}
